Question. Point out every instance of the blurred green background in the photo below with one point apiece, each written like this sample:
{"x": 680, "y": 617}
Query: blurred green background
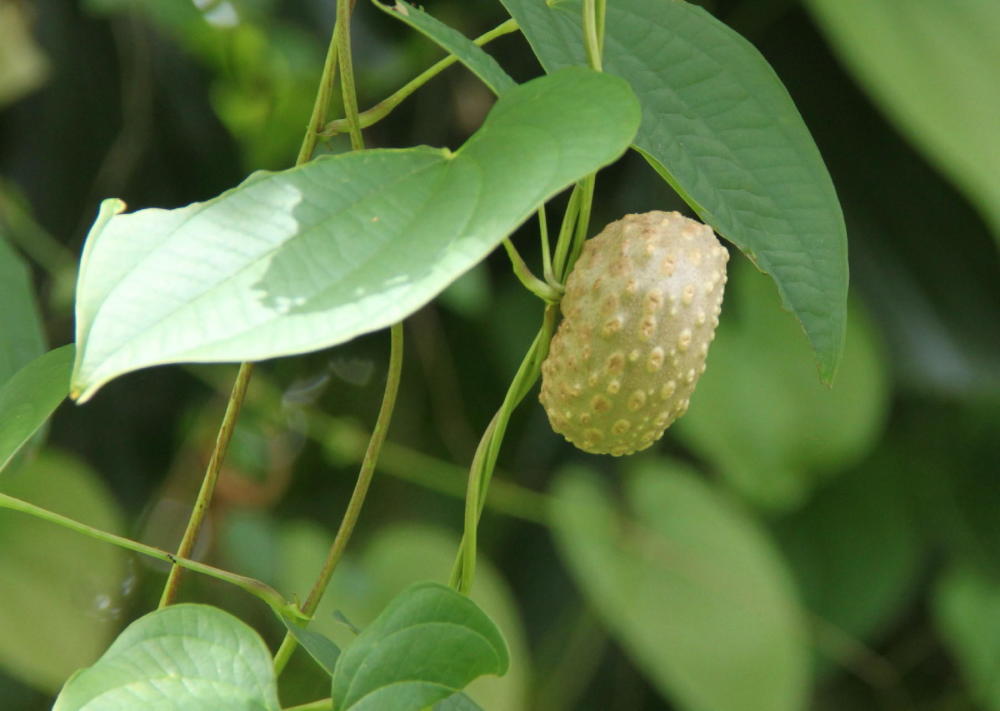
{"x": 863, "y": 521}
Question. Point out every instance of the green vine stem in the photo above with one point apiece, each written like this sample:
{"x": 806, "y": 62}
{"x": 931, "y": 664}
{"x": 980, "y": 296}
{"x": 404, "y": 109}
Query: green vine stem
{"x": 321, "y": 705}
{"x": 572, "y": 234}
{"x": 341, "y": 35}
{"x": 256, "y": 588}
{"x": 544, "y": 291}
{"x": 357, "y": 499}
{"x": 236, "y": 397}
{"x": 207, "y": 489}
{"x": 485, "y": 458}
{"x": 385, "y": 107}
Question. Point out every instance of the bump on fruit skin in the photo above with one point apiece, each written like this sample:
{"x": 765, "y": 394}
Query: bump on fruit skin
{"x": 639, "y": 312}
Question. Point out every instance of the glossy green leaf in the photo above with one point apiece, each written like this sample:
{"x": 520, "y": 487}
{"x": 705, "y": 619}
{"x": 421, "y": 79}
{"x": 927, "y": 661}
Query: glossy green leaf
{"x": 967, "y": 612}
{"x": 759, "y": 415}
{"x": 453, "y": 42}
{"x": 719, "y": 126}
{"x": 855, "y": 550}
{"x": 29, "y": 398}
{"x": 925, "y": 63}
{"x": 180, "y": 658}
{"x": 61, "y": 594}
{"x": 691, "y": 587}
{"x": 21, "y": 337}
{"x": 396, "y": 557}
{"x": 427, "y": 644}
{"x": 310, "y": 257}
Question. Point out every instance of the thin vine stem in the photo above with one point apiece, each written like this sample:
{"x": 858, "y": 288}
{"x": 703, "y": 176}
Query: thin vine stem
{"x": 485, "y": 459}
{"x": 341, "y": 37}
{"x": 258, "y": 589}
{"x": 207, "y": 489}
{"x": 379, "y": 111}
{"x": 357, "y": 499}
{"x": 203, "y": 501}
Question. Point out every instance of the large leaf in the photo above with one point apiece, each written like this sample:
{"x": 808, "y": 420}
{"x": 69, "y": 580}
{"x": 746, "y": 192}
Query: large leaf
{"x": 21, "y": 338}
{"x": 180, "y": 658}
{"x": 923, "y": 61}
{"x": 760, "y": 416}
{"x": 29, "y": 398}
{"x": 719, "y": 126}
{"x": 967, "y": 611}
{"x": 60, "y": 593}
{"x": 454, "y": 42}
{"x": 426, "y": 645}
{"x": 314, "y": 256}
{"x": 692, "y": 588}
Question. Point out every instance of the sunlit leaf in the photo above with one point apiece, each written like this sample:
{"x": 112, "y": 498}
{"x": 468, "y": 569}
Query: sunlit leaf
{"x": 719, "y": 126}
{"x": 310, "y": 257}
{"x": 427, "y": 644}
{"x": 924, "y": 62}
{"x": 29, "y": 398}
{"x": 60, "y": 593}
{"x": 180, "y": 658}
{"x": 693, "y": 590}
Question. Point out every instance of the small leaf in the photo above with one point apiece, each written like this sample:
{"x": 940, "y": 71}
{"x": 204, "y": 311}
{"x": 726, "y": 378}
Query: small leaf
{"x": 320, "y": 647}
{"x": 314, "y": 256}
{"x": 760, "y": 416}
{"x": 453, "y": 42}
{"x": 922, "y": 61}
{"x": 426, "y": 645}
{"x": 719, "y": 126}
{"x": 180, "y": 658}
{"x": 29, "y": 398}
{"x": 967, "y": 610}
{"x": 692, "y": 588}
{"x": 61, "y": 594}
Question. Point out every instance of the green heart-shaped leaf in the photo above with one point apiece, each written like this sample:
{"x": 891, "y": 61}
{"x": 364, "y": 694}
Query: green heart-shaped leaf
{"x": 180, "y": 658}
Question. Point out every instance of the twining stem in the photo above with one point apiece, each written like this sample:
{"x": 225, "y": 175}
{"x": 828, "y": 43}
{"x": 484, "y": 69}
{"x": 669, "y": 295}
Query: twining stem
{"x": 593, "y": 23}
{"x": 543, "y": 233}
{"x": 204, "y": 499}
{"x": 485, "y": 459}
{"x": 255, "y": 587}
{"x": 357, "y": 500}
{"x": 572, "y": 234}
{"x": 385, "y": 107}
{"x": 341, "y": 37}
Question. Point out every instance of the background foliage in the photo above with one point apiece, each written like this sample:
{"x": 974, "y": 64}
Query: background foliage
{"x": 858, "y": 527}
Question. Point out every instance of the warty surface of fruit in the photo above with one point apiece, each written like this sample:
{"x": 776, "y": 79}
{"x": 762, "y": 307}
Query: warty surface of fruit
{"x": 640, "y": 310}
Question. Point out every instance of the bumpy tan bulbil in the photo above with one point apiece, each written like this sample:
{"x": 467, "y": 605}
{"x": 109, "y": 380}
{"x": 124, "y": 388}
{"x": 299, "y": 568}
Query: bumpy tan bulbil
{"x": 640, "y": 309}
